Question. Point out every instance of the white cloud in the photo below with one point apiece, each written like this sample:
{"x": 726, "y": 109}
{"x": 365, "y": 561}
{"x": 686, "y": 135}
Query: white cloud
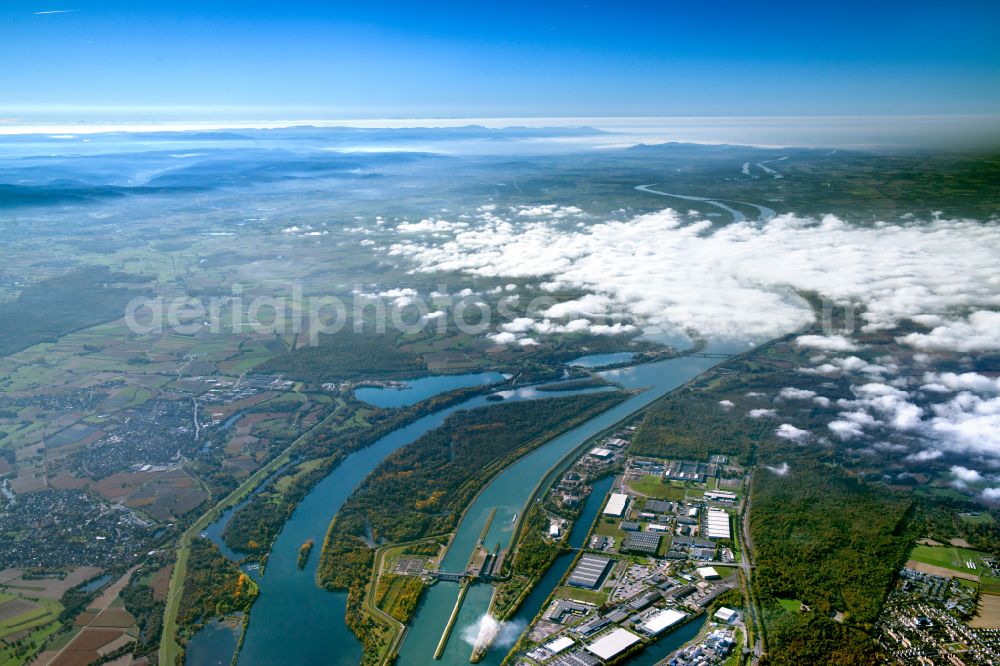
{"x": 503, "y": 338}
{"x": 846, "y": 430}
{"x": 742, "y": 280}
{"x": 780, "y": 470}
{"x": 967, "y": 424}
{"x": 427, "y": 226}
{"x": 991, "y": 494}
{"x": 788, "y": 431}
{"x": 790, "y": 393}
{"x": 548, "y": 210}
{"x": 979, "y": 332}
{"x": 549, "y": 327}
{"x": 965, "y": 475}
{"x": 947, "y": 382}
{"x": 590, "y": 305}
{"x": 726, "y": 404}
{"x": 925, "y": 455}
{"x": 848, "y": 365}
{"x": 761, "y": 413}
{"x": 827, "y": 342}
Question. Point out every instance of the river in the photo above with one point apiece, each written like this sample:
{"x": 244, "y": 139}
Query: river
{"x": 292, "y": 617}
{"x": 296, "y": 622}
{"x": 597, "y": 360}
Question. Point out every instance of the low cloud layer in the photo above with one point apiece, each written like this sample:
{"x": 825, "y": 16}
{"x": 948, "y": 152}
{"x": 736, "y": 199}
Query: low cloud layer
{"x": 740, "y": 281}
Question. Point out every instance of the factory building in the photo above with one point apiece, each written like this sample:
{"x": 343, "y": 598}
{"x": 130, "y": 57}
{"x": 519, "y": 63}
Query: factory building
{"x": 717, "y": 524}
{"x": 589, "y": 571}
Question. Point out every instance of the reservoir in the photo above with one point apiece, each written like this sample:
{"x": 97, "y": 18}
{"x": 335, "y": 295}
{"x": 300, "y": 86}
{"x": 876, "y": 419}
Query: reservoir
{"x": 507, "y": 494}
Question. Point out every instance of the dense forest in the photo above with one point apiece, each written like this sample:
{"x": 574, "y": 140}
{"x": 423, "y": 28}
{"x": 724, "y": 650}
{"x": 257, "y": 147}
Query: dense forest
{"x": 346, "y": 355}
{"x": 214, "y": 587}
{"x": 422, "y": 489}
{"x": 147, "y": 605}
{"x": 398, "y": 595}
{"x": 46, "y": 311}
{"x": 826, "y": 538}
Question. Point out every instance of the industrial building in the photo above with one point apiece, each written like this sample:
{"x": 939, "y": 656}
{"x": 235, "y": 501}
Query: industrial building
{"x": 662, "y": 620}
{"x": 717, "y": 525}
{"x": 559, "y": 644}
{"x": 658, "y": 506}
{"x": 708, "y": 573}
{"x": 687, "y": 471}
{"x": 612, "y": 644}
{"x": 616, "y": 505}
{"x": 603, "y": 454}
{"x": 589, "y": 571}
{"x": 725, "y": 614}
{"x": 642, "y": 542}
{"x": 721, "y": 496}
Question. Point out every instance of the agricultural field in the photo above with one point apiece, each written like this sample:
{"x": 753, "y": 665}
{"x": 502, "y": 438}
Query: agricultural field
{"x": 951, "y": 558}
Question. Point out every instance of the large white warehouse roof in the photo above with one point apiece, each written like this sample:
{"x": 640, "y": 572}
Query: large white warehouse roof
{"x": 616, "y": 642}
{"x": 616, "y": 505}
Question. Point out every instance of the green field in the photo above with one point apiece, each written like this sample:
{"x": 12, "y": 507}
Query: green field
{"x": 790, "y": 605}
{"x": 653, "y": 486}
{"x": 989, "y": 585}
{"x": 949, "y": 557}
{"x": 976, "y": 518}
{"x": 41, "y": 621}
{"x": 607, "y": 526}
{"x": 587, "y": 596}
{"x": 736, "y": 656}
{"x": 725, "y": 572}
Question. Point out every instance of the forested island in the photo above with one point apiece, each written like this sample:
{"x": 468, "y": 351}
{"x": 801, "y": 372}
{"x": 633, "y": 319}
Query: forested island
{"x": 304, "y": 551}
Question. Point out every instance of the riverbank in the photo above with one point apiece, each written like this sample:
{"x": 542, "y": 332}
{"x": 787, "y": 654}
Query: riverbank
{"x": 508, "y": 494}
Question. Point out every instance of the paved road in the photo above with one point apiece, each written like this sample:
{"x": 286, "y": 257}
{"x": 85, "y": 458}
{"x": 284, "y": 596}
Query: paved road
{"x": 746, "y": 563}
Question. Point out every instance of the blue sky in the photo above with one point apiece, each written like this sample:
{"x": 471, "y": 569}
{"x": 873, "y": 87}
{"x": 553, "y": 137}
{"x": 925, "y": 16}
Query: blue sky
{"x": 495, "y": 59}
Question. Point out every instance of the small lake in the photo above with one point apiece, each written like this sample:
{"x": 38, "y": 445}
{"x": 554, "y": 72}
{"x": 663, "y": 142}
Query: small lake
{"x": 213, "y": 645}
{"x": 421, "y": 389}
{"x": 96, "y": 583}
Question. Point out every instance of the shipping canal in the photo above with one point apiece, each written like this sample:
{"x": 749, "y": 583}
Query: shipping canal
{"x": 507, "y": 493}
